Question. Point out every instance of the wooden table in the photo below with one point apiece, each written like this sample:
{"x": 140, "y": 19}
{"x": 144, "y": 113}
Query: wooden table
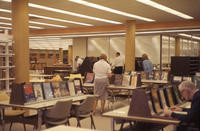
{"x": 154, "y": 81}
{"x": 67, "y": 128}
{"x": 122, "y": 113}
{"x": 38, "y": 106}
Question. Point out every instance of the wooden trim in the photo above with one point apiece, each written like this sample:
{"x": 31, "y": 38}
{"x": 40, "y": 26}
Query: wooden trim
{"x": 119, "y": 28}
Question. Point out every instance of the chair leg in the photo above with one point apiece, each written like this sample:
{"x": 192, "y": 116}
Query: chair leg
{"x": 92, "y": 122}
{"x": 24, "y": 127}
{"x": 78, "y": 122}
{"x": 10, "y": 126}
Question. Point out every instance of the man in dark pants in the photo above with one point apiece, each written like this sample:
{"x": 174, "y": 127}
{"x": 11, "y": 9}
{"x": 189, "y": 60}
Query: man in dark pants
{"x": 189, "y": 93}
{"x": 118, "y": 64}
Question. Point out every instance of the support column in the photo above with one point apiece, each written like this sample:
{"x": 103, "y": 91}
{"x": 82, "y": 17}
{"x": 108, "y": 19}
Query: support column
{"x": 61, "y": 55}
{"x": 130, "y": 46}
{"x": 70, "y": 49}
{"x": 177, "y": 46}
{"x": 20, "y": 31}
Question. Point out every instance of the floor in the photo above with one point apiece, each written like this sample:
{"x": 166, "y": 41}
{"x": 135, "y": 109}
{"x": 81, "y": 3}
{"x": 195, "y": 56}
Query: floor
{"x": 102, "y": 123}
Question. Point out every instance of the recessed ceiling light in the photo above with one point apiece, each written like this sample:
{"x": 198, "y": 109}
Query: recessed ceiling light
{"x": 34, "y": 22}
{"x": 100, "y": 7}
{"x": 165, "y": 8}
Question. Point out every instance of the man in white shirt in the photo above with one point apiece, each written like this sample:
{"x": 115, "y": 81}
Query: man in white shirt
{"x": 118, "y": 64}
{"x": 77, "y": 63}
{"x": 102, "y": 71}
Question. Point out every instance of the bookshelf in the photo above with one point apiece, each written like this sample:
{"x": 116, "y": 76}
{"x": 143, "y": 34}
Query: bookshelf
{"x": 6, "y": 62}
{"x": 185, "y": 65}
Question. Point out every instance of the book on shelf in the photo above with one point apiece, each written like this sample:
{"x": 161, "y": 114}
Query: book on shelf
{"x": 48, "y": 93}
{"x": 37, "y": 87}
{"x": 150, "y": 104}
{"x": 126, "y": 80}
{"x": 78, "y": 86}
{"x": 156, "y": 101}
{"x": 118, "y": 79}
{"x": 28, "y": 93}
{"x": 134, "y": 80}
{"x": 177, "y": 94}
{"x": 157, "y": 75}
{"x": 56, "y": 89}
{"x": 89, "y": 78}
{"x": 64, "y": 89}
{"x": 165, "y": 75}
{"x": 197, "y": 81}
{"x": 187, "y": 78}
{"x": 72, "y": 90}
{"x": 169, "y": 97}
{"x": 177, "y": 78}
{"x": 144, "y": 75}
{"x": 162, "y": 98}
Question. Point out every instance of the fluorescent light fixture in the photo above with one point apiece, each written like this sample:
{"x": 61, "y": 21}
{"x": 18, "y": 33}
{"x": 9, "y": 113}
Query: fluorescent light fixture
{"x": 71, "y": 13}
{"x": 4, "y": 10}
{"x": 164, "y": 8}
{"x": 48, "y": 18}
{"x": 35, "y": 27}
{"x": 60, "y": 20}
{"x": 5, "y": 18}
{"x": 166, "y": 31}
{"x": 34, "y": 22}
{"x": 100, "y": 7}
{"x": 190, "y": 36}
{"x": 2, "y": 27}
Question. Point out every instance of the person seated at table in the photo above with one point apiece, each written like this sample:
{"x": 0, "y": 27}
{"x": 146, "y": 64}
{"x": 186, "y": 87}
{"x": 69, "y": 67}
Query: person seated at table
{"x": 102, "y": 70}
{"x": 189, "y": 93}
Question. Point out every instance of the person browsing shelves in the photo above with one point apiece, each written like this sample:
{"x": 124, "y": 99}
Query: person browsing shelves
{"x": 147, "y": 64}
{"x": 118, "y": 64}
{"x": 102, "y": 71}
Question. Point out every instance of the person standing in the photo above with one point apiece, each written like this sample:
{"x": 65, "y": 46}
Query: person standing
{"x": 102, "y": 71}
{"x": 147, "y": 64}
{"x": 118, "y": 64}
{"x": 189, "y": 93}
{"x": 77, "y": 63}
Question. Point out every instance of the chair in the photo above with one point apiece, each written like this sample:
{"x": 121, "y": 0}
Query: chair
{"x": 58, "y": 114}
{"x": 84, "y": 110}
{"x": 73, "y": 76}
{"x": 11, "y": 115}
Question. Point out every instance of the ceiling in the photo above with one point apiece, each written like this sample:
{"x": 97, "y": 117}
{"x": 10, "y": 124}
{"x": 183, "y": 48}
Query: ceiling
{"x": 187, "y": 7}
{"x": 103, "y": 18}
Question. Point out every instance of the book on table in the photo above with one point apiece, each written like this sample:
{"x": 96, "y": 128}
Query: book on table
{"x": 72, "y": 89}
{"x": 48, "y": 93}
{"x": 78, "y": 85}
{"x": 28, "y": 93}
{"x": 126, "y": 80}
{"x": 37, "y": 87}
{"x": 89, "y": 78}
{"x": 56, "y": 89}
{"x": 64, "y": 89}
{"x": 118, "y": 79}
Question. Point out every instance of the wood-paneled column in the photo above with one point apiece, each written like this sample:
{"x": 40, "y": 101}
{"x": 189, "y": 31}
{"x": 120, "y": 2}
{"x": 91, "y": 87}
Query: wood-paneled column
{"x": 177, "y": 46}
{"x": 130, "y": 46}
{"x": 20, "y": 31}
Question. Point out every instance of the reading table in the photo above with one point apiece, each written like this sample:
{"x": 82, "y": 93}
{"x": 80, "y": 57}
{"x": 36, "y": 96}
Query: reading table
{"x": 38, "y": 106}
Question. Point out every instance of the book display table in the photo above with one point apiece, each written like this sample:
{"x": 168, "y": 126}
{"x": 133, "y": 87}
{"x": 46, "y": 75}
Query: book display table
{"x": 38, "y": 106}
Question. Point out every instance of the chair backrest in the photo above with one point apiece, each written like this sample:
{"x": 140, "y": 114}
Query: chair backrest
{"x": 4, "y": 97}
{"x": 86, "y": 106}
{"x": 60, "y": 110}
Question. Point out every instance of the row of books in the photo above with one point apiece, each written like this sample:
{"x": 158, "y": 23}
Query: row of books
{"x": 49, "y": 90}
{"x": 161, "y": 98}
{"x": 124, "y": 80}
{"x": 151, "y": 103}
{"x": 155, "y": 75}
